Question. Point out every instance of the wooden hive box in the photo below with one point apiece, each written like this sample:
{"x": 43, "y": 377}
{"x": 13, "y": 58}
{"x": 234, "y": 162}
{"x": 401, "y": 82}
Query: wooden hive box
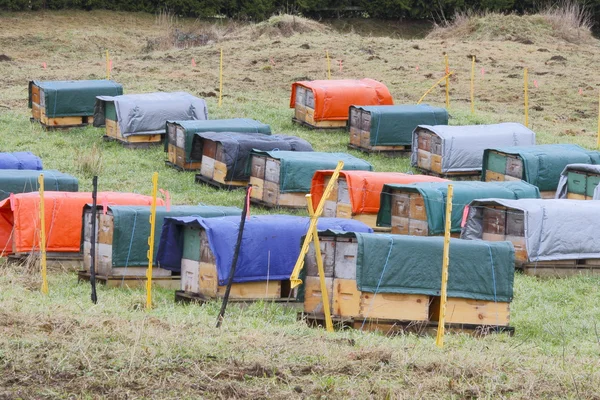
{"x": 581, "y": 183}
{"x": 265, "y": 181}
{"x": 199, "y": 273}
{"x": 65, "y": 104}
{"x": 304, "y": 110}
{"x": 113, "y": 130}
{"x": 176, "y": 157}
{"x": 214, "y": 168}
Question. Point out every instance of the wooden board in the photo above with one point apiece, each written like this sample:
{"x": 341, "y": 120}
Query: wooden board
{"x": 548, "y": 194}
{"x": 556, "y": 269}
{"x": 575, "y": 196}
{"x": 390, "y": 151}
{"x": 170, "y": 282}
{"x": 417, "y": 207}
{"x": 491, "y": 176}
{"x": 313, "y": 298}
{"x": 468, "y": 311}
{"x": 455, "y": 175}
{"x": 409, "y": 307}
{"x": 177, "y": 159}
{"x": 346, "y": 298}
{"x": 182, "y": 296}
{"x": 133, "y": 144}
{"x": 113, "y": 131}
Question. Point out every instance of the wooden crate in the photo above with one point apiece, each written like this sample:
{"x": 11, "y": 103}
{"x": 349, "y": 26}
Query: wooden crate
{"x": 408, "y": 214}
{"x": 38, "y": 113}
{"x": 113, "y": 132}
{"x": 213, "y": 169}
{"x": 468, "y": 311}
{"x": 265, "y": 185}
{"x": 503, "y": 167}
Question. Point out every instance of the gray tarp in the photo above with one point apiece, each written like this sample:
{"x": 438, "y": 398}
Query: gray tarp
{"x": 561, "y": 191}
{"x": 147, "y": 114}
{"x": 554, "y": 229}
{"x": 462, "y": 146}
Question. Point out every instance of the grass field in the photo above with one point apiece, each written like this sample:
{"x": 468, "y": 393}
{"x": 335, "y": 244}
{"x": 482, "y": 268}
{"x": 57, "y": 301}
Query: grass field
{"x": 62, "y": 346}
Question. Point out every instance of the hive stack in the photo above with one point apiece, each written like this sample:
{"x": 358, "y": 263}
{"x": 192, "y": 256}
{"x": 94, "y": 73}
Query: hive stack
{"x": 579, "y": 182}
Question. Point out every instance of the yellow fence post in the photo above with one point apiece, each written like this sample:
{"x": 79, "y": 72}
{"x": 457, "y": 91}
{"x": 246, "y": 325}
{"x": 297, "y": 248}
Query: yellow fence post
{"x": 598, "y": 140}
{"x": 328, "y": 65}
{"x": 107, "y": 66}
{"x": 311, "y": 235}
{"x": 221, "y": 79}
{"x": 526, "y": 97}
{"x": 446, "y": 260}
{"x": 473, "y": 86}
{"x": 44, "y": 288}
{"x": 447, "y": 82}
{"x": 151, "y": 242}
{"x": 433, "y": 87}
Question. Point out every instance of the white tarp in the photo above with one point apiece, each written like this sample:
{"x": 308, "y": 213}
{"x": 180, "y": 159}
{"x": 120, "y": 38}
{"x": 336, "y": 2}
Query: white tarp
{"x": 463, "y": 146}
{"x": 561, "y": 191}
{"x": 147, "y": 114}
{"x": 555, "y": 229}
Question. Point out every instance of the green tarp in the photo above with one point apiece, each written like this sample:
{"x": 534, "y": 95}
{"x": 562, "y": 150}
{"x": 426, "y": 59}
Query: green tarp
{"x": 24, "y": 181}
{"x": 435, "y": 195}
{"x": 74, "y": 98}
{"x": 298, "y": 167}
{"x": 238, "y": 125}
{"x": 413, "y": 265}
{"x": 543, "y": 164}
{"x": 394, "y": 125}
{"x": 131, "y": 229}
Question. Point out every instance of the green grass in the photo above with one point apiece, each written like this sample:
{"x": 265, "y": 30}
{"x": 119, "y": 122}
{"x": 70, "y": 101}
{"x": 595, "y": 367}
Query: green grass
{"x": 62, "y": 346}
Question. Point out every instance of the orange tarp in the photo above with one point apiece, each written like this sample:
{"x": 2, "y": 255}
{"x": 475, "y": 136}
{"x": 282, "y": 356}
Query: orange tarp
{"x": 364, "y": 187}
{"x": 20, "y": 221}
{"x": 333, "y": 98}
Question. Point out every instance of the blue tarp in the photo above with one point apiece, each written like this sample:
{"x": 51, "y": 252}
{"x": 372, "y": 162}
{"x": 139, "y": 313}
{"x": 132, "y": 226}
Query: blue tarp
{"x": 270, "y": 245}
{"x": 20, "y": 160}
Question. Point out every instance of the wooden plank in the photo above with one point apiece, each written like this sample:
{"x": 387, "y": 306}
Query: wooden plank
{"x": 346, "y": 251}
{"x": 309, "y": 120}
{"x": 105, "y": 228}
{"x": 370, "y": 220}
{"x": 252, "y": 290}
{"x": 436, "y": 163}
{"x": 257, "y": 188}
{"x": 469, "y": 311}
{"x": 292, "y": 200}
{"x": 400, "y": 225}
{"x": 132, "y": 282}
{"x": 548, "y": 194}
{"x": 558, "y": 271}
{"x": 190, "y": 275}
{"x": 424, "y": 159}
{"x": 313, "y": 298}
{"x": 574, "y": 196}
{"x": 491, "y": 176}
{"x": 493, "y": 237}
{"x": 346, "y": 298}
{"x": 408, "y": 307}
{"x": 208, "y": 279}
{"x": 111, "y": 128}
{"x": 417, "y": 207}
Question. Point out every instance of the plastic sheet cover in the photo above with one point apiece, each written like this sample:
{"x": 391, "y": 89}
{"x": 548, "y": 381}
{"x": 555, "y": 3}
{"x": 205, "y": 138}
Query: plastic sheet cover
{"x": 20, "y": 160}
{"x": 24, "y": 181}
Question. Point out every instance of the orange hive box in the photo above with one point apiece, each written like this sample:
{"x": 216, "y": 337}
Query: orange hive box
{"x": 19, "y": 219}
{"x": 363, "y": 187}
{"x": 333, "y": 98}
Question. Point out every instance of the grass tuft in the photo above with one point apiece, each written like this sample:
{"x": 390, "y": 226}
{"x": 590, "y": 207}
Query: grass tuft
{"x": 89, "y": 163}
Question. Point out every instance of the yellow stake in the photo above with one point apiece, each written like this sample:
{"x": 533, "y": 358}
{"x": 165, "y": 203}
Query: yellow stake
{"x": 598, "y": 141}
{"x": 526, "y": 96}
{"x": 221, "y": 79}
{"x": 107, "y": 66}
{"x": 473, "y": 86}
{"x": 43, "y": 236}
{"x": 151, "y": 242}
{"x": 446, "y": 259}
{"x": 328, "y": 65}
{"x": 433, "y": 87}
{"x": 447, "y": 83}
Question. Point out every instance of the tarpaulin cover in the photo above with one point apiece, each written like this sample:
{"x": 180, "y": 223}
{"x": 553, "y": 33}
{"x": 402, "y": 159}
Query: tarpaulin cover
{"x": 20, "y": 160}
{"x": 240, "y": 125}
{"x": 556, "y": 229}
{"x": 435, "y": 195}
{"x": 23, "y": 181}
{"x": 148, "y": 113}
{"x": 561, "y": 191}
{"x": 74, "y": 98}
{"x": 394, "y": 125}
{"x": 297, "y": 168}
{"x": 19, "y": 218}
{"x": 543, "y": 164}
{"x": 270, "y": 243}
{"x": 412, "y": 265}
{"x": 364, "y": 187}
{"x": 238, "y": 146}
{"x": 131, "y": 229}
{"x": 333, "y": 98}
{"x": 463, "y": 146}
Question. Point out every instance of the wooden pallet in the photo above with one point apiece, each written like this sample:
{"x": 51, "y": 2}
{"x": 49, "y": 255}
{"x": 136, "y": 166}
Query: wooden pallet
{"x": 68, "y": 261}
{"x": 323, "y": 125}
{"x": 390, "y": 151}
{"x": 456, "y": 176}
{"x": 167, "y": 282}
{"x": 560, "y": 269}
{"x": 182, "y": 296}
{"x": 131, "y": 145}
{"x": 61, "y": 123}
{"x": 227, "y": 185}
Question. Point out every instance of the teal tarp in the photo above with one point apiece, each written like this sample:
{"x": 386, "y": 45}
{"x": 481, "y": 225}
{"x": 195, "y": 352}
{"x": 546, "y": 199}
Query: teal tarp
{"x": 413, "y": 265}
{"x": 543, "y": 164}
{"x": 436, "y": 193}
{"x": 74, "y": 98}
{"x": 131, "y": 229}
{"x": 24, "y": 181}
{"x": 190, "y": 128}
{"x": 394, "y": 125}
{"x": 298, "y": 167}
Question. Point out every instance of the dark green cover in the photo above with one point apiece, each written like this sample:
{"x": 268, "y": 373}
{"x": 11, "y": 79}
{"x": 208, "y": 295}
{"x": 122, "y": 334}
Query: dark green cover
{"x": 298, "y": 167}
{"x": 394, "y": 125}
{"x": 477, "y": 270}
{"x": 435, "y": 195}
{"x": 543, "y": 164}
{"x": 24, "y": 181}
{"x": 131, "y": 229}
{"x": 74, "y": 98}
{"x": 238, "y": 125}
